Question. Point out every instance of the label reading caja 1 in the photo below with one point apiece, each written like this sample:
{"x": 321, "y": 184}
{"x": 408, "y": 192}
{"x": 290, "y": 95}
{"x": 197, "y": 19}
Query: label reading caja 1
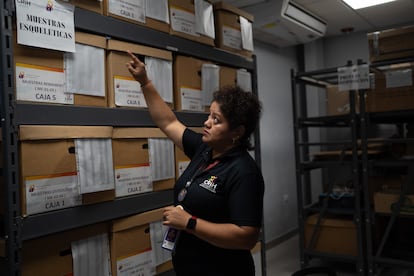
{"x": 51, "y": 192}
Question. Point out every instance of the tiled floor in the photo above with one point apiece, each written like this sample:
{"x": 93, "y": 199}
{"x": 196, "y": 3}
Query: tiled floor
{"x": 283, "y": 260}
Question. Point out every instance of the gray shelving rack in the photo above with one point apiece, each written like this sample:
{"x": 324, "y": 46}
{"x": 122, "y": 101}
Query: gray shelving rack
{"x": 304, "y": 165}
{"x": 371, "y": 259}
{"x": 377, "y": 245}
{"x": 14, "y": 227}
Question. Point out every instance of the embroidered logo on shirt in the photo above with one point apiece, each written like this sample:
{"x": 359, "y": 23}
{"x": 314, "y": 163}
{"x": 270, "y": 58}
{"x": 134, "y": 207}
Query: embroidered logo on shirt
{"x": 209, "y": 184}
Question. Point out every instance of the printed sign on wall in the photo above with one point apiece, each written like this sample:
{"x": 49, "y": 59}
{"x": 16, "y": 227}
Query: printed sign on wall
{"x": 46, "y": 24}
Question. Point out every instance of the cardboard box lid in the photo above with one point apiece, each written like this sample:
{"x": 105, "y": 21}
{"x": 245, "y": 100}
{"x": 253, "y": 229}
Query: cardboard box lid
{"x": 391, "y": 43}
{"x": 391, "y": 32}
{"x": 233, "y": 9}
{"x": 90, "y": 39}
{"x": 137, "y": 132}
{"x": 137, "y": 220}
{"x": 122, "y": 46}
{"x": 43, "y": 132}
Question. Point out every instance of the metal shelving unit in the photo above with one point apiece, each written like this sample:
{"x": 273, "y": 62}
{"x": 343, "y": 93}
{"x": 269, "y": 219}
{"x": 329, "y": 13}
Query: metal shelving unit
{"x": 376, "y": 246}
{"x": 15, "y": 228}
{"x": 305, "y": 165}
{"x": 371, "y": 258}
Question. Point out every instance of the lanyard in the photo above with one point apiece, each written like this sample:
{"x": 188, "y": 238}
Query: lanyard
{"x": 182, "y": 194}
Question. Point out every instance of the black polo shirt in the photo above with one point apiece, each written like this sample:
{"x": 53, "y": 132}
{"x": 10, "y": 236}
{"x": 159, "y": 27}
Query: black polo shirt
{"x": 231, "y": 191}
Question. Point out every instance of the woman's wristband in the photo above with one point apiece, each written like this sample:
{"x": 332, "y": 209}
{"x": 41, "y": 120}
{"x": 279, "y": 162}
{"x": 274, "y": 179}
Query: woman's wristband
{"x": 145, "y": 84}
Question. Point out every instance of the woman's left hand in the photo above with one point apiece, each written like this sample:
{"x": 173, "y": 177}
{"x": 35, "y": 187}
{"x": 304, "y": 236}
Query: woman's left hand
{"x": 176, "y": 217}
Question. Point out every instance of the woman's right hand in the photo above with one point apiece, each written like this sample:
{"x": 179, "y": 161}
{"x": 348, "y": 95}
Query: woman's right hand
{"x": 137, "y": 69}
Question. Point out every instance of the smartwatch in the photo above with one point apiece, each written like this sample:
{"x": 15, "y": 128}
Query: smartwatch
{"x": 191, "y": 224}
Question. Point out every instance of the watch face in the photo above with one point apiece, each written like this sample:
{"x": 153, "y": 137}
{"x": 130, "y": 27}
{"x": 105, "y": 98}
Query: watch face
{"x": 191, "y": 223}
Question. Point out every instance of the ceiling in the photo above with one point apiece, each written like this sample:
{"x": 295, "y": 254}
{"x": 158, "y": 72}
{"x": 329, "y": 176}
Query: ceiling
{"x": 341, "y": 19}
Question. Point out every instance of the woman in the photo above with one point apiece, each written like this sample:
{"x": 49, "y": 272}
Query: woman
{"x": 219, "y": 198}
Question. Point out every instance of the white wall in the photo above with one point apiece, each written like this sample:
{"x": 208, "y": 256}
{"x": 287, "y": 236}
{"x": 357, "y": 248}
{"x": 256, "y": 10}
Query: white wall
{"x": 338, "y": 50}
{"x": 276, "y": 139}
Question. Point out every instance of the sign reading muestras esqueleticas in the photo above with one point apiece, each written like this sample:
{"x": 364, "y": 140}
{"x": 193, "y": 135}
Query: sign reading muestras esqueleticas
{"x": 46, "y": 24}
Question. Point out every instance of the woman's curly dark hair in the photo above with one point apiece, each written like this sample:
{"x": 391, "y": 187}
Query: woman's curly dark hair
{"x": 240, "y": 108}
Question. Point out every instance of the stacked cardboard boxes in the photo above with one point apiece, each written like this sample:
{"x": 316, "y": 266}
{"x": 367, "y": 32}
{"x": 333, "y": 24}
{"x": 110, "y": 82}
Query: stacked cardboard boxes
{"x": 123, "y": 89}
{"x": 52, "y": 254}
{"x": 131, "y": 246}
{"x": 188, "y": 83}
{"x": 192, "y": 20}
{"x": 49, "y": 167}
{"x": 40, "y": 74}
{"x": 233, "y": 29}
{"x": 150, "y": 14}
{"x": 391, "y": 44}
{"x": 132, "y": 161}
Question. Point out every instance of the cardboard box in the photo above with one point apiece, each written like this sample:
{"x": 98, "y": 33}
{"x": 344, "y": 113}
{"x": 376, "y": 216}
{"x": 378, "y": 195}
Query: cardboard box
{"x": 51, "y": 255}
{"x": 91, "y": 5}
{"x": 43, "y": 60}
{"x": 385, "y": 184}
{"x": 334, "y": 235}
{"x": 130, "y": 237}
{"x": 228, "y": 76}
{"x": 183, "y": 20}
{"x": 337, "y": 101}
{"x": 389, "y": 94}
{"x": 119, "y": 78}
{"x": 228, "y": 28}
{"x": 391, "y": 44}
{"x": 385, "y": 202}
{"x": 181, "y": 162}
{"x": 47, "y": 160}
{"x": 130, "y": 150}
{"x": 187, "y": 83}
{"x": 131, "y": 11}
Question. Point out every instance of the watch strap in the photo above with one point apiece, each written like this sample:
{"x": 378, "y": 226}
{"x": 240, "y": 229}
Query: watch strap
{"x": 191, "y": 224}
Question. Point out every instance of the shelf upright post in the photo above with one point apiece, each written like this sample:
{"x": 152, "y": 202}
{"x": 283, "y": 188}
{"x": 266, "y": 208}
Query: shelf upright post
{"x": 258, "y": 158}
{"x": 368, "y": 218}
{"x": 303, "y": 257}
{"x": 358, "y": 216}
{"x": 10, "y": 170}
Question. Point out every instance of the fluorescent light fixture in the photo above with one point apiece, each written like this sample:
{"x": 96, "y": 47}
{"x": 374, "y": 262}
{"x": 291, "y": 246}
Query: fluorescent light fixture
{"x": 359, "y": 4}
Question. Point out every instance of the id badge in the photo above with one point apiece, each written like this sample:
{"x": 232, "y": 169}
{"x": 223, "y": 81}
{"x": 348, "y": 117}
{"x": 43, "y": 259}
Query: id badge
{"x": 170, "y": 238}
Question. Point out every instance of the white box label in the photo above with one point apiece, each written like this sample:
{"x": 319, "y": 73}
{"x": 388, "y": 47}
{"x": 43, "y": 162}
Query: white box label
{"x": 128, "y": 93}
{"x": 134, "y": 179}
{"x": 136, "y": 265}
{"x": 134, "y": 10}
{"x": 232, "y": 38}
{"x": 191, "y": 99}
{"x": 51, "y": 192}
{"x": 399, "y": 78}
{"x": 41, "y": 84}
{"x": 183, "y": 21}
